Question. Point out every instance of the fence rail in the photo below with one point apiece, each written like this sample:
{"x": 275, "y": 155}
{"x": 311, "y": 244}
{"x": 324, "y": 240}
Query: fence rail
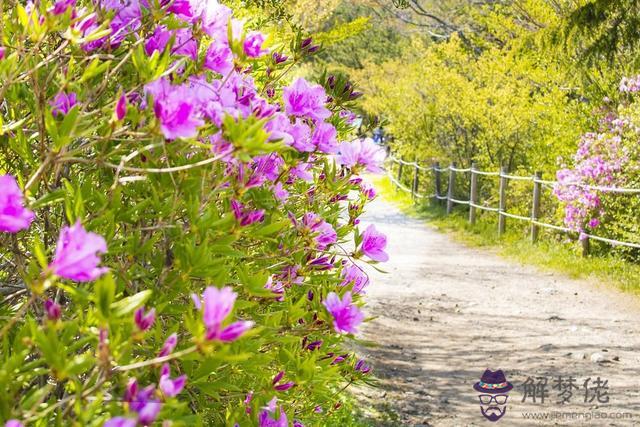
{"x": 501, "y": 210}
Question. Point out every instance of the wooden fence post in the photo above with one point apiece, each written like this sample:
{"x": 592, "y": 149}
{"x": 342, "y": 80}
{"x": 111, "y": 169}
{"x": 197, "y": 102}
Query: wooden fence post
{"x": 535, "y": 207}
{"x": 438, "y": 180}
{"x": 416, "y": 181}
{"x": 452, "y": 183}
{"x": 503, "y": 201}
{"x": 473, "y": 194}
{"x": 586, "y": 246}
{"x": 399, "y": 179}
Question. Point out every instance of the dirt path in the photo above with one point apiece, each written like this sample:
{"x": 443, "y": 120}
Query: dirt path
{"x": 446, "y": 312}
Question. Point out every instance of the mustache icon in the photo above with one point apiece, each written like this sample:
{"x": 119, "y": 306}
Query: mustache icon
{"x": 493, "y": 410}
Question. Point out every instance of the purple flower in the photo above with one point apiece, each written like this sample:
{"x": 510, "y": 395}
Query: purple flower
{"x": 271, "y": 417}
{"x": 302, "y": 99}
{"x": 3, "y": 51}
{"x": 324, "y": 138}
{"x": 314, "y": 345}
{"x": 175, "y": 107}
{"x": 62, "y": 103}
{"x": 77, "y": 254}
{"x": 322, "y": 232}
{"x": 297, "y": 423}
{"x": 52, "y": 309}
{"x": 246, "y": 216}
{"x": 219, "y": 58}
{"x": 362, "y": 153}
{"x": 13, "y": 215}
{"x": 353, "y": 275}
{"x": 170, "y": 387}
{"x": 278, "y": 377}
{"x": 120, "y": 422}
{"x": 279, "y": 192}
{"x": 361, "y": 366}
{"x": 217, "y": 305}
{"x": 346, "y": 316}
{"x": 301, "y": 134}
{"x": 368, "y": 190}
{"x": 13, "y": 423}
{"x": 144, "y": 321}
{"x": 121, "y": 107}
{"x": 373, "y": 244}
{"x": 61, "y": 6}
{"x": 253, "y": 44}
{"x": 142, "y": 402}
{"x": 279, "y": 57}
{"x": 184, "y": 43}
{"x": 169, "y": 345}
{"x": 284, "y": 386}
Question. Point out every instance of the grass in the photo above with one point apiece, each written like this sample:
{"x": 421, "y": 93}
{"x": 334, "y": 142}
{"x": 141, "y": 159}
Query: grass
{"x": 550, "y": 253}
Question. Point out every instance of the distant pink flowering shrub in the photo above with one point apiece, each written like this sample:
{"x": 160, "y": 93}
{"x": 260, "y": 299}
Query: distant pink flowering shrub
{"x": 606, "y": 159}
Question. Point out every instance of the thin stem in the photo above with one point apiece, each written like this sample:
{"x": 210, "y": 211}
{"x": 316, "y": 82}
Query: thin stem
{"x": 155, "y": 361}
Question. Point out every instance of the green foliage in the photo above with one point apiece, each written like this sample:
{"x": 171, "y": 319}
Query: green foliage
{"x": 168, "y": 210}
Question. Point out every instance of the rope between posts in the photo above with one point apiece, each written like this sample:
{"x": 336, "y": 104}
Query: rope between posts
{"x": 514, "y": 216}
{"x": 460, "y": 202}
{"x": 484, "y": 208}
{"x": 459, "y": 170}
{"x": 396, "y": 182}
{"x": 516, "y": 177}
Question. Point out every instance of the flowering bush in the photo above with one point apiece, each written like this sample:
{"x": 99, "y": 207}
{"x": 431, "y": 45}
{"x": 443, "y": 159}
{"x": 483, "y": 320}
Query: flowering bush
{"x": 606, "y": 159}
{"x": 172, "y": 213}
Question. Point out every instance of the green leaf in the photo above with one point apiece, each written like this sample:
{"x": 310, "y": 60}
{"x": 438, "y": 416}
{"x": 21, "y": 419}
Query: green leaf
{"x": 105, "y": 290}
{"x": 128, "y": 304}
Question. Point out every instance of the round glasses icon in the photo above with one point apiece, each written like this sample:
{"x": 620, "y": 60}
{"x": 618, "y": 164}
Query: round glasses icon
{"x": 500, "y": 399}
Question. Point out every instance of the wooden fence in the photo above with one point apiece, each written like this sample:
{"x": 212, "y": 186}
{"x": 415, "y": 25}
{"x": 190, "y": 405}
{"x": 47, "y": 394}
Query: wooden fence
{"x": 449, "y": 200}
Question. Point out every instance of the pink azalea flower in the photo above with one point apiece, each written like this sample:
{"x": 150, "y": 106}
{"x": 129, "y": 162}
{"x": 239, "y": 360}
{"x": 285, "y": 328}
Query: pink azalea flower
{"x": 144, "y": 321}
{"x": 170, "y": 387}
{"x": 62, "y": 103}
{"x": 324, "y": 138}
{"x": 142, "y": 402}
{"x": 283, "y": 386}
{"x": 323, "y": 233}
{"x": 13, "y": 215}
{"x": 219, "y": 58}
{"x": 361, "y": 366}
{"x": 353, "y": 275}
{"x": 121, "y": 422}
{"x": 215, "y": 20}
{"x": 301, "y": 134}
{"x": 253, "y": 44}
{"x": 121, "y": 107}
{"x": 169, "y": 345}
{"x": 368, "y": 190}
{"x": 279, "y": 192}
{"x": 346, "y": 316}
{"x": 78, "y": 254}
{"x": 271, "y": 417}
{"x": 13, "y": 423}
{"x": 373, "y": 244}
{"x": 246, "y": 216}
{"x": 363, "y": 153}
{"x": 175, "y": 107}
{"x": 302, "y": 99}
{"x": 53, "y": 309}
{"x": 217, "y": 305}
{"x": 61, "y": 6}
{"x": 184, "y": 43}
